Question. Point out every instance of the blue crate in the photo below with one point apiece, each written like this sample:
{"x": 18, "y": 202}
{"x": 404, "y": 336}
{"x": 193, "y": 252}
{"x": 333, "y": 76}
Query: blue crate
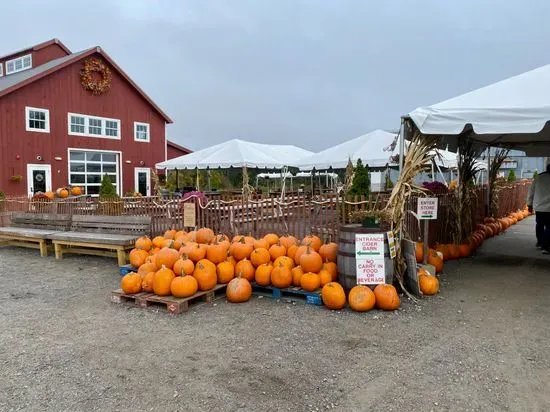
{"x": 311, "y": 298}
{"x": 124, "y": 270}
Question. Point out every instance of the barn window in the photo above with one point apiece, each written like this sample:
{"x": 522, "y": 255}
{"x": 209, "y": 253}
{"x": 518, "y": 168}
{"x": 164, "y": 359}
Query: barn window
{"x": 87, "y": 168}
{"x": 1, "y": 69}
{"x": 19, "y": 64}
{"x": 37, "y": 120}
{"x": 93, "y": 126}
{"x": 141, "y": 132}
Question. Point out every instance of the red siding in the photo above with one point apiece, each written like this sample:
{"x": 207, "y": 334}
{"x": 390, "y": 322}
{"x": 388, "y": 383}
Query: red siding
{"x": 62, "y": 93}
{"x": 173, "y": 152}
{"x": 41, "y": 56}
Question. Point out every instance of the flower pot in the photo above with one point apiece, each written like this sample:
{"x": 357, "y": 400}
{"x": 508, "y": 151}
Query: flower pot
{"x": 370, "y": 222}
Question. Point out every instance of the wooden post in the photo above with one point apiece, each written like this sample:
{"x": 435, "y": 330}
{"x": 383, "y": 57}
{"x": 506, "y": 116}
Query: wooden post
{"x": 425, "y": 240}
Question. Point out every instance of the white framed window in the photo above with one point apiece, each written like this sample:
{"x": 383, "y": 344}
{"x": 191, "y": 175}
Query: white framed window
{"x": 1, "y": 69}
{"x": 87, "y": 168}
{"x": 141, "y": 132}
{"x": 19, "y": 64}
{"x": 37, "y": 120}
{"x": 93, "y": 126}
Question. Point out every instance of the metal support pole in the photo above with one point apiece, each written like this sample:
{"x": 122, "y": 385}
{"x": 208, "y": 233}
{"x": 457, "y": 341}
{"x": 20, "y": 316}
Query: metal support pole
{"x": 402, "y": 145}
{"x": 425, "y": 240}
{"x": 488, "y": 195}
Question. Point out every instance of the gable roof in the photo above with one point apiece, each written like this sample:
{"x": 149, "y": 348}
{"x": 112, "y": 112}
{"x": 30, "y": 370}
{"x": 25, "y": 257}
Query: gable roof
{"x": 38, "y": 47}
{"x": 13, "y": 82}
{"x": 177, "y": 146}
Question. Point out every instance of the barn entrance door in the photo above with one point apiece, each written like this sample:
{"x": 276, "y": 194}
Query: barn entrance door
{"x": 39, "y": 178}
{"x": 142, "y": 180}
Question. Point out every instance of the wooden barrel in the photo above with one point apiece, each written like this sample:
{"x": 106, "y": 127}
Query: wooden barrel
{"x": 347, "y": 275}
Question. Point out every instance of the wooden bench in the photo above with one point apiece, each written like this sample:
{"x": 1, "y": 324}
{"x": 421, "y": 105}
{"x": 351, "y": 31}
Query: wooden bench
{"x": 101, "y": 236}
{"x": 33, "y": 230}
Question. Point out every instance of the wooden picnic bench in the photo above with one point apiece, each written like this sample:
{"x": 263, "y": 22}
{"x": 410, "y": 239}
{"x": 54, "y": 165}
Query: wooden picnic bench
{"x": 101, "y": 236}
{"x": 33, "y": 230}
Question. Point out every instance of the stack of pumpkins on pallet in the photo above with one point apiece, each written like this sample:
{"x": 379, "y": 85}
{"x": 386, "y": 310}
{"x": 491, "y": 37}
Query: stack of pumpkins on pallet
{"x": 180, "y": 264}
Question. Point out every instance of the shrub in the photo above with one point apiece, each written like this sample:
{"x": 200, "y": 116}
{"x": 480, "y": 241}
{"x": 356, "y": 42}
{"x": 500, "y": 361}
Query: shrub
{"x": 511, "y": 176}
{"x": 361, "y": 180}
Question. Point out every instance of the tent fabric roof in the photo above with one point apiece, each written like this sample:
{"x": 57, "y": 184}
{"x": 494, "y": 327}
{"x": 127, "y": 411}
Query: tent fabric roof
{"x": 511, "y": 113}
{"x": 374, "y": 148}
{"x": 238, "y": 153}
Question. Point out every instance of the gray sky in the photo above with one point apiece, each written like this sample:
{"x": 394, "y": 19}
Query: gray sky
{"x": 307, "y": 72}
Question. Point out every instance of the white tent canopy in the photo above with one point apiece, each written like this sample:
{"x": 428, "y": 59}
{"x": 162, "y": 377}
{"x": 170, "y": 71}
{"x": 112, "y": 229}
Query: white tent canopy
{"x": 374, "y": 149}
{"x": 510, "y": 113}
{"x": 238, "y": 153}
{"x": 289, "y": 175}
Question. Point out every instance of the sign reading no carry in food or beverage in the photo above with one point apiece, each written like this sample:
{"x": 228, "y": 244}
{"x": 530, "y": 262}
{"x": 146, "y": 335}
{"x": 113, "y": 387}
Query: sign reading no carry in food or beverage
{"x": 427, "y": 208}
{"x": 369, "y": 258}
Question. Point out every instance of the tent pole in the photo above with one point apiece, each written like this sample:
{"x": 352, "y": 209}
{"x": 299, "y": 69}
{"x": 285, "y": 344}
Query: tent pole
{"x": 402, "y": 145}
{"x": 488, "y": 195}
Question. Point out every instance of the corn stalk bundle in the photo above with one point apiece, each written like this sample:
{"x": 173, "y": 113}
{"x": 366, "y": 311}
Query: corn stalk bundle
{"x": 348, "y": 178}
{"x": 247, "y": 189}
{"x": 418, "y": 155}
{"x": 496, "y": 162}
{"x": 156, "y": 183}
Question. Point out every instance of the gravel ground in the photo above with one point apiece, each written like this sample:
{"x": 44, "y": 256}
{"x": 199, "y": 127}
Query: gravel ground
{"x": 482, "y": 344}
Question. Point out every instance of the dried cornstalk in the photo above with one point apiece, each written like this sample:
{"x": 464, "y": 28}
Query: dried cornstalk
{"x": 247, "y": 189}
{"x": 496, "y": 162}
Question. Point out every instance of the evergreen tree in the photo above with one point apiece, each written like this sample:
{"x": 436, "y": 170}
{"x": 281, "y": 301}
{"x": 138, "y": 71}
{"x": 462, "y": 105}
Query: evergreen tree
{"x": 107, "y": 189}
{"x": 361, "y": 180}
{"x": 512, "y": 176}
{"x": 535, "y": 174}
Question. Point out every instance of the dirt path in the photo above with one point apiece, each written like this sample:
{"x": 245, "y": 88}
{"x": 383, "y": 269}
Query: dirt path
{"x": 482, "y": 344}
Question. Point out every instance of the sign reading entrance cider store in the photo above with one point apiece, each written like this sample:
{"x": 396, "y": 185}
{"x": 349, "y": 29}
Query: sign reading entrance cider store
{"x": 369, "y": 258}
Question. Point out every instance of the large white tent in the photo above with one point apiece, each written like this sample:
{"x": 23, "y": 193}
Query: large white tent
{"x": 374, "y": 148}
{"x": 511, "y": 113}
{"x": 238, "y": 153}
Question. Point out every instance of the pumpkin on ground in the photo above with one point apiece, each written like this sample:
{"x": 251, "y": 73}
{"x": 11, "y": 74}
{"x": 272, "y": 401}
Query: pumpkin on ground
{"x": 310, "y": 281}
{"x": 245, "y": 269}
{"x": 429, "y": 284}
{"x": 260, "y": 256}
{"x": 311, "y": 261}
{"x": 238, "y": 290}
{"x": 313, "y": 241}
{"x": 277, "y": 250}
{"x": 263, "y": 274}
{"x": 184, "y": 286}
{"x": 131, "y": 283}
{"x": 285, "y": 260}
{"x": 225, "y": 271}
{"x": 162, "y": 280}
{"x": 205, "y": 235}
{"x": 361, "y": 298}
{"x": 138, "y": 257}
{"x": 147, "y": 282}
{"x": 328, "y": 252}
{"x": 297, "y": 274}
{"x": 325, "y": 277}
{"x": 464, "y": 250}
{"x": 205, "y": 273}
{"x": 419, "y": 251}
{"x": 444, "y": 250}
{"x": 167, "y": 257}
{"x": 386, "y": 297}
{"x": 333, "y": 296}
{"x": 454, "y": 251}
{"x": 183, "y": 266}
{"x": 435, "y": 260}
{"x": 144, "y": 243}
{"x": 281, "y": 276}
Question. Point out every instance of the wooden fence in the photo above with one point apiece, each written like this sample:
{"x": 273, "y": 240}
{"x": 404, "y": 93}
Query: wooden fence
{"x": 296, "y": 214}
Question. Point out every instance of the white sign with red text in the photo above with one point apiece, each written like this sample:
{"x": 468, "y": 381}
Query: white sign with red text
{"x": 427, "y": 208}
{"x": 371, "y": 271}
{"x": 369, "y": 245}
{"x": 369, "y": 258}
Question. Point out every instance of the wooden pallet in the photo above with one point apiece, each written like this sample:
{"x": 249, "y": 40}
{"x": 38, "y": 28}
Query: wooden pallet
{"x": 170, "y": 303}
{"x": 312, "y": 298}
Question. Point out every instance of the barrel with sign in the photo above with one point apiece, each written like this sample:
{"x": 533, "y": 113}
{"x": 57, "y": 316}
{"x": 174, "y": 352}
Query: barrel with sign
{"x": 348, "y": 255}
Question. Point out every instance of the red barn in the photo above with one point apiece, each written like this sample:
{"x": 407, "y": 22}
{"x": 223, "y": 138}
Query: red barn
{"x": 175, "y": 150}
{"x": 67, "y": 119}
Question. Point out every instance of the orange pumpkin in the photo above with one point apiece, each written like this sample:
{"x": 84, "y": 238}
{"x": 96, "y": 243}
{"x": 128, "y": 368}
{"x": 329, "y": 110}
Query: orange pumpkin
{"x": 144, "y": 243}
{"x": 197, "y": 252}
{"x": 271, "y": 239}
{"x": 131, "y": 283}
{"x": 146, "y": 268}
{"x": 429, "y": 285}
{"x": 245, "y": 268}
{"x": 263, "y": 274}
{"x": 62, "y": 193}
{"x": 76, "y": 191}
{"x": 299, "y": 252}
{"x": 464, "y": 250}
{"x": 241, "y": 250}
{"x": 158, "y": 241}
{"x": 288, "y": 241}
{"x": 167, "y": 257}
{"x": 137, "y": 257}
{"x": 291, "y": 251}
{"x": 311, "y": 261}
{"x": 281, "y": 276}
{"x": 419, "y": 251}
{"x": 285, "y": 260}
{"x": 297, "y": 274}
{"x": 184, "y": 266}
{"x": 435, "y": 260}
{"x": 147, "y": 282}
{"x": 261, "y": 244}
{"x": 162, "y": 280}
{"x": 178, "y": 242}
{"x": 444, "y": 250}
{"x": 184, "y": 286}
{"x": 50, "y": 195}
{"x": 225, "y": 271}
{"x": 332, "y": 269}
{"x": 325, "y": 277}
{"x": 454, "y": 251}
{"x": 328, "y": 252}
{"x": 277, "y": 250}
{"x": 310, "y": 281}
{"x": 313, "y": 241}
{"x": 205, "y": 273}
{"x": 205, "y": 235}
{"x": 216, "y": 252}
{"x": 333, "y": 296}
{"x": 170, "y": 234}
{"x": 260, "y": 256}
{"x": 250, "y": 240}
{"x": 238, "y": 290}
{"x": 361, "y": 298}
{"x": 386, "y": 297}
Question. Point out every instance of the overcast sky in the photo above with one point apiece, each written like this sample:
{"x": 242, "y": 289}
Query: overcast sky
{"x": 307, "y": 72}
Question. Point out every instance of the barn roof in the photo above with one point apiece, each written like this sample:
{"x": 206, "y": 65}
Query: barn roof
{"x": 38, "y": 47}
{"x": 13, "y": 82}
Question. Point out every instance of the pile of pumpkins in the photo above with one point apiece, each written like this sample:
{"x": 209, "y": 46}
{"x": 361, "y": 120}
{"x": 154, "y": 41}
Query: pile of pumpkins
{"x": 180, "y": 264}
{"x": 445, "y": 252}
{"x": 64, "y": 192}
